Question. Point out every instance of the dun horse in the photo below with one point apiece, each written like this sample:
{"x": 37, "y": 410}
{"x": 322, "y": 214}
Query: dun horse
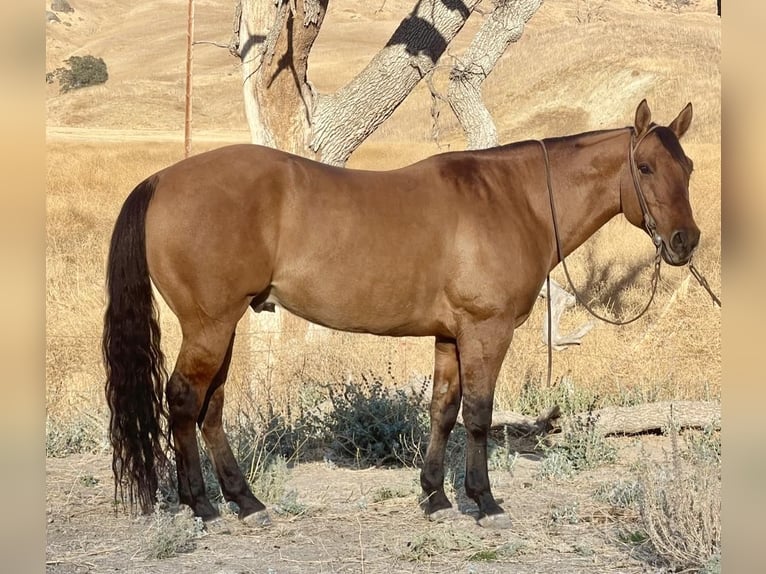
{"x": 455, "y": 247}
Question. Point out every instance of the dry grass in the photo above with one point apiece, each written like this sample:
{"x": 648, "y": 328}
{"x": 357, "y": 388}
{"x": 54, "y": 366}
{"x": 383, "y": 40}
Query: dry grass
{"x": 680, "y": 503}
{"x": 562, "y": 77}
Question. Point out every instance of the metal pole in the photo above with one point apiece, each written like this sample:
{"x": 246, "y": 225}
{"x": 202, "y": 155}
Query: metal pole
{"x": 188, "y": 102}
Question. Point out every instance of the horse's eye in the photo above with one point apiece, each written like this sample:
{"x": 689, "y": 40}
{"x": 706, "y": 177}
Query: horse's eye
{"x": 644, "y": 168}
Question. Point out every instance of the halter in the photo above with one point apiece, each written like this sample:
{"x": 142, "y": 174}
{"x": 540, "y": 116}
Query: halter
{"x": 649, "y": 223}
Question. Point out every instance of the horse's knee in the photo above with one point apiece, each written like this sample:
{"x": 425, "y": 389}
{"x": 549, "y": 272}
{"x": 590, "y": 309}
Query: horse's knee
{"x": 477, "y": 417}
{"x": 178, "y": 392}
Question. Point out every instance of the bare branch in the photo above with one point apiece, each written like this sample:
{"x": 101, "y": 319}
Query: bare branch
{"x": 211, "y": 43}
{"x": 343, "y": 120}
{"x": 561, "y": 300}
{"x": 503, "y": 26}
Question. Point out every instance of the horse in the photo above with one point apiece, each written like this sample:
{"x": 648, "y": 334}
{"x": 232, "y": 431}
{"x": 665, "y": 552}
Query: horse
{"x": 455, "y": 247}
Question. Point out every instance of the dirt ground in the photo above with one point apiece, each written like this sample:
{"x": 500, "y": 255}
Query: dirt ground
{"x": 358, "y": 521}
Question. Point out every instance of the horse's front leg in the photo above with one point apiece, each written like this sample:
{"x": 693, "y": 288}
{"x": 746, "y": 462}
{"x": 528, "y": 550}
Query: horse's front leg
{"x": 445, "y": 402}
{"x": 481, "y": 348}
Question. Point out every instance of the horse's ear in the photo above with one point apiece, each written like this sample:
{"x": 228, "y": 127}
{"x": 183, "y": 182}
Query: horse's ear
{"x": 682, "y": 122}
{"x": 643, "y": 117}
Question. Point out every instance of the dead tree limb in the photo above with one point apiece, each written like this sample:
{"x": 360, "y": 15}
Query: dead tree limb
{"x": 561, "y": 300}
{"x": 617, "y": 420}
{"x": 503, "y": 26}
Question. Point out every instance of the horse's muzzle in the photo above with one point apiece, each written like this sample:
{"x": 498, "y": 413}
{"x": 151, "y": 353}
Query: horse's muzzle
{"x": 678, "y": 251}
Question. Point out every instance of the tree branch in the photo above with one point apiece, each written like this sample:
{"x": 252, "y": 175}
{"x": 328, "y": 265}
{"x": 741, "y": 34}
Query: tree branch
{"x": 504, "y": 26}
{"x": 343, "y": 120}
{"x": 561, "y": 300}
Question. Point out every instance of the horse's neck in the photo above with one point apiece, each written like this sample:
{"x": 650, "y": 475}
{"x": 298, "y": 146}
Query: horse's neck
{"x": 586, "y": 171}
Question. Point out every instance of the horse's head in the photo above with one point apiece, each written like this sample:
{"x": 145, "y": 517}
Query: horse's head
{"x": 655, "y": 191}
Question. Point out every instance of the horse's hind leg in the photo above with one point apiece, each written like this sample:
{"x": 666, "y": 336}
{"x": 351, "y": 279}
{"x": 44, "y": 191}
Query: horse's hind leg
{"x": 200, "y": 359}
{"x": 445, "y": 402}
{"x": 230, "y": 477}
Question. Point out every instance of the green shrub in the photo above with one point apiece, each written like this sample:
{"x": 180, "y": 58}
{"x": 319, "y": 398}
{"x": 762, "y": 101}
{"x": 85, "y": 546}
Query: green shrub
{"x": 82, "y": 71}
{"x": 581, "y": 447}
{"x": 366, "y": 423}
{"x": 63, "y": 438}
{"x": 536, "y": 397}
{"x": 371, "y": 424}
{"x": 620, "y": 494}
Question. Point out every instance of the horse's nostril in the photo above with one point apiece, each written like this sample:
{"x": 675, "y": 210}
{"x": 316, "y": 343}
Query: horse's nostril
{"x": 694, "y": 239}
{"x": 684, "y": 241}
{"x": 678, "y": 241}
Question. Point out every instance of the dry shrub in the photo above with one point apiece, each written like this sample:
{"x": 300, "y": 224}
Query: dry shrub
{"x": 680, "y": 503}
{"x": 370, "y": 424}
{"x": 172, "y": 533}
{"x": 579, "y": 448}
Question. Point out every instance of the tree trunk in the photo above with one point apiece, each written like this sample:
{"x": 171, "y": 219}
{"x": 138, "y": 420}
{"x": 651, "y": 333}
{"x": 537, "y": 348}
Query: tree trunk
{"x": 282, "y": 109}
{"x": 504, "y": 26}
{"x": 343, "y": 120}
{"x": 275, "y": 39}
{"x": 618, "y": 420}
{"x": 252, "y": 23}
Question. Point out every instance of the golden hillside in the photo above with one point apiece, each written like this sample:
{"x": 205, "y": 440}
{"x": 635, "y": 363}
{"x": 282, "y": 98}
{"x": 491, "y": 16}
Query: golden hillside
{"x": 562, "y": 76}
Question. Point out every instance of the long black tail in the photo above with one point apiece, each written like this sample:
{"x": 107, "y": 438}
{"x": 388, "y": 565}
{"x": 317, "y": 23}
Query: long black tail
{"x": 134, "y": 363}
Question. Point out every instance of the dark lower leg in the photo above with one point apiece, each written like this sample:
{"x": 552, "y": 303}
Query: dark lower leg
{"x": 184, "y": 404}
{"x": 230, "y": 477}
{"x": 482, "y": 349}
{"x": 445, "y": 402}
{"x": 477, "y": 416}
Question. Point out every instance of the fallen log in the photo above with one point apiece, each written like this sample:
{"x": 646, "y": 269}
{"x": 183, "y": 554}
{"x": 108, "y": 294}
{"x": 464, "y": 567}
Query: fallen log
{"x": 614, "y": 420}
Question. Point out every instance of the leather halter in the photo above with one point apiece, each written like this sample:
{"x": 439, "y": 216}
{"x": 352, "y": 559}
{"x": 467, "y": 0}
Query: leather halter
{"x": 649, "y": 223}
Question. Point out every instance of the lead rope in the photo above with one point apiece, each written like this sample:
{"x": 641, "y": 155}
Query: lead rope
{"x": 702, "y": 281}
{"x": 650, "y": 227}
{"x": 550, "y": 326}
{"x": 657, "y": 257}
{"x": 648, "y": 221}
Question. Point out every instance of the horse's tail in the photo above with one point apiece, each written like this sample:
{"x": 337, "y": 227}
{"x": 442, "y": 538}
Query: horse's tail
{"x": 134, "y": 363}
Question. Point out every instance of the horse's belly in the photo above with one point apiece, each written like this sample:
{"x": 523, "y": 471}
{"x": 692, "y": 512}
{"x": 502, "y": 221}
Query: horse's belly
{"x": 350, "y": 310}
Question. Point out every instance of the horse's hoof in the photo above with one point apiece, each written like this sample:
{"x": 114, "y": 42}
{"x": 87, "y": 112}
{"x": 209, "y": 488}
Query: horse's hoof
{"x": 496, "y": 521}
{"x": 217, "y": 526}
{"x": 443, "y": 515}
{"x": 258, "y": 519}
